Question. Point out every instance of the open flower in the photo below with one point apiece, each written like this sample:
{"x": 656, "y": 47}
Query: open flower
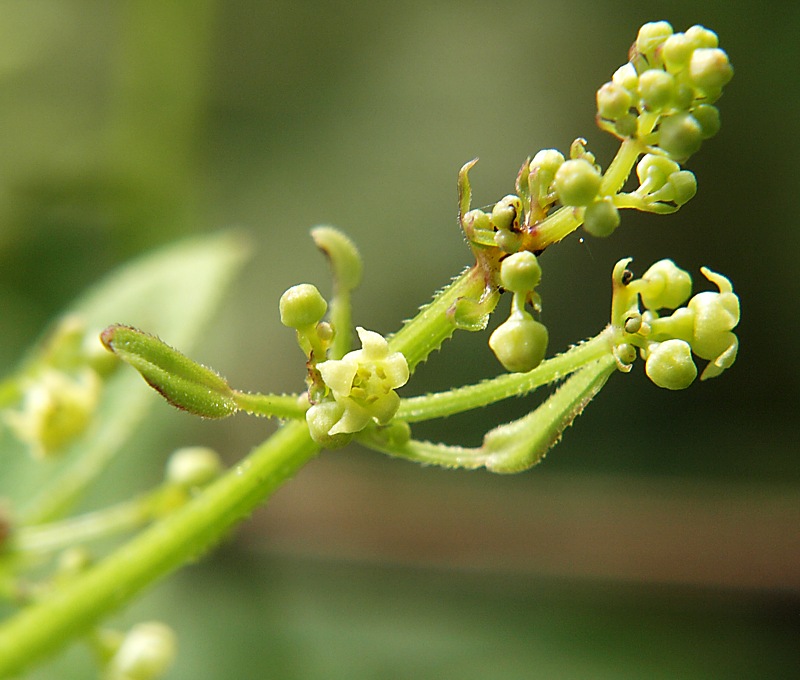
{"x": 363, "y": 382}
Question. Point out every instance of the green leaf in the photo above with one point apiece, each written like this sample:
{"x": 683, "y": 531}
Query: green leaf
{"x": 173, "y": 292}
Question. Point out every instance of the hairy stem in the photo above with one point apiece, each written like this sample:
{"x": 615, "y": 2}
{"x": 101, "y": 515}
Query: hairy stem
{"x": 72, "y": 610}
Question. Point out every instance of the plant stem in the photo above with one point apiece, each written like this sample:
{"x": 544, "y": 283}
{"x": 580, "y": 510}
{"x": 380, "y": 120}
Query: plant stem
{"x": 271, "y": 405}
{"x": 462, "y": 399}
{"x": 72, "y": 610}
{"x": 433, "y": 325}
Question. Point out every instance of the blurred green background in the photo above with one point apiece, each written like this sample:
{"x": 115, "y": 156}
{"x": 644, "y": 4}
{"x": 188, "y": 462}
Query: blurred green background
{"x": 660, "y": 539}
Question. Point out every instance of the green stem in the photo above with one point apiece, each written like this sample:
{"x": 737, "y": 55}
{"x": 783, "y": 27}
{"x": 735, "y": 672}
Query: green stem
{"x": 271, "y": 405}
{"x": 620, "y": 168}
{"x": 47, "y": 538}
{"x": 462, "y": 399}
{"x": 434, "y": 324}
{"x": 556, "y": 226}
{"x": 72, "y": 610}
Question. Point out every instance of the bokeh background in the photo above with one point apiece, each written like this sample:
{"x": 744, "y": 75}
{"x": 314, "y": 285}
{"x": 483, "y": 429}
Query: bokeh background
{"x": 660, "y": 539}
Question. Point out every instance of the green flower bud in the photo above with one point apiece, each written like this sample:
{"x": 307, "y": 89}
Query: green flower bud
{"x": 302, "y": 306}
{"x": 707, "y": 117}
{"x": 626, "y": 76}
{"x": 321, "y": 418}
{"x": 669, "y": 364}
{"x": 519, "y": 343}
{"x": 508, "y": 241}
{"x": 193, "y": 466}
{"x": 146, "y": 652}
{"x": 477, "y": 219}
{"x": 520, "y": 272}
{"x": 651, "y": 36}
{"x": 677, "y": 51}
{"x": 715, "y": 316}
{"x": 700, "y": 36}
{"x": 545, "y": 164}
{"x": 709, "y": 69}
{"x": 182, "y": 382}
{"x": 506, "y": 213}
{"x": 680, "y": 135}
{"x": 653, "y": 171}
{"x": 577, "y": 182}
{"x": 665, "y": 285}
{"x": 683, "y": 185}
{"x": 627, "y": 126}
{"x": 56, "y": 409}
{"x": 343, "y": 255}
{"x": 613, "y": 101}
{"x": 601, "y": 218}
{"x": 656, "y": 89}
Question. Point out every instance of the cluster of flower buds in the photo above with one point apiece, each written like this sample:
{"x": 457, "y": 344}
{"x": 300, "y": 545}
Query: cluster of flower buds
{"x": 664, "y": 95}
{"x": 668, "y": 333}
{"x": 520, "y": 342}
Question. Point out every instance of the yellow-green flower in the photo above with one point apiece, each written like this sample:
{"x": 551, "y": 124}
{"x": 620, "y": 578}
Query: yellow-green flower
{"x": 363, "y": 382}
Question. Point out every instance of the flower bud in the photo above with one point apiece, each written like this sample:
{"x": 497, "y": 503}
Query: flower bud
{"x": 702, "y": 37}
{"x": 520, "y": 272}
{"x": 577, "y": 182}
{"x": 601, "y": 218}
{"x": 146, "y": 652}
{"x": 302, "y": 306}
{"x": 56, "y": 409}
{"x": 715, "y": 316}
{"x": 343, "y": 255}
{"x": 651, "y": 36}
{"x": 677, "y": 51}
{"x": 683, "y": 185}
{"x": 665, "y": 285}
{"x": 506, "y": 213}
{"x": 669, "y": 364}
{"x": 656, "y": 89}
{"x": 193, "y": 466}
{"x": 613, "y": 101}
{"x": 626, "y": 77}
{"x": 519, "y": 343}
{"x": 321, "y": 418}
{"x": 546, "y": 163}
{"x": 477, "y": 219}
{"x": 653, "y": 171}
{"x": 680, "y": 135}
{"x": 709, "y": 69}
{"x": 182, "y": 382}
{"x": 707, "y": 117}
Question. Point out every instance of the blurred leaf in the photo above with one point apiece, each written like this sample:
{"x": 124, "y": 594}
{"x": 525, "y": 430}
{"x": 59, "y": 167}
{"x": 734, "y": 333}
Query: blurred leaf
{"x": 173, "y": 292}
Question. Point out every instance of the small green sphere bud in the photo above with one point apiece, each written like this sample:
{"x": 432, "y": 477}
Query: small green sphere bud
{"x": 613, "y": 101}
{"x": 651, "y": 36}
{"x": 626, "y": 77}
{"x": 665, "y": 285}
{"x": 669, "y": 365}
{"x": 519, "y": 343}
{"x": 520, "y": 272}
{"x": 146, "y": 652}
{"x": 577, "y": 182}
{"x": 654, "y": 171}
{"x": 677, "y": 51}
{"x": 680, "y": 136}
{"x": 321, "y": 418}
{"x": 546, "y": 163}
{"x": 477, "y": 219}
{"x": 700, "y": 36}
{"x": 506, "y": 213}
{"x": 601, "y": 218}
{"x": 193, "y": 466}
{"x": 684, "y": 186}
{"x": 656, "y": 89}
{"x": 709, "y": 69}
{"x": 302, "y": 306}
{"x": 508, "y": 241}
{"x": 708, "y": 118}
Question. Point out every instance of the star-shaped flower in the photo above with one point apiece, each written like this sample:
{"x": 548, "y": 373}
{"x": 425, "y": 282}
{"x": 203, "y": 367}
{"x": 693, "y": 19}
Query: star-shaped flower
{"x": 363, "y": 382}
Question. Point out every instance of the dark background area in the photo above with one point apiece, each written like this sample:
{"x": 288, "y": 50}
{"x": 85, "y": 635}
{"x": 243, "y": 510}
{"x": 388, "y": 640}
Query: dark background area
{"x": 659, "y": 539}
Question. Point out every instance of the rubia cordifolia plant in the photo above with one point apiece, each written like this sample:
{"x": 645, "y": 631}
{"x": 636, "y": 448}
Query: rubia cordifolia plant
{"x": 660, "y": 105}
